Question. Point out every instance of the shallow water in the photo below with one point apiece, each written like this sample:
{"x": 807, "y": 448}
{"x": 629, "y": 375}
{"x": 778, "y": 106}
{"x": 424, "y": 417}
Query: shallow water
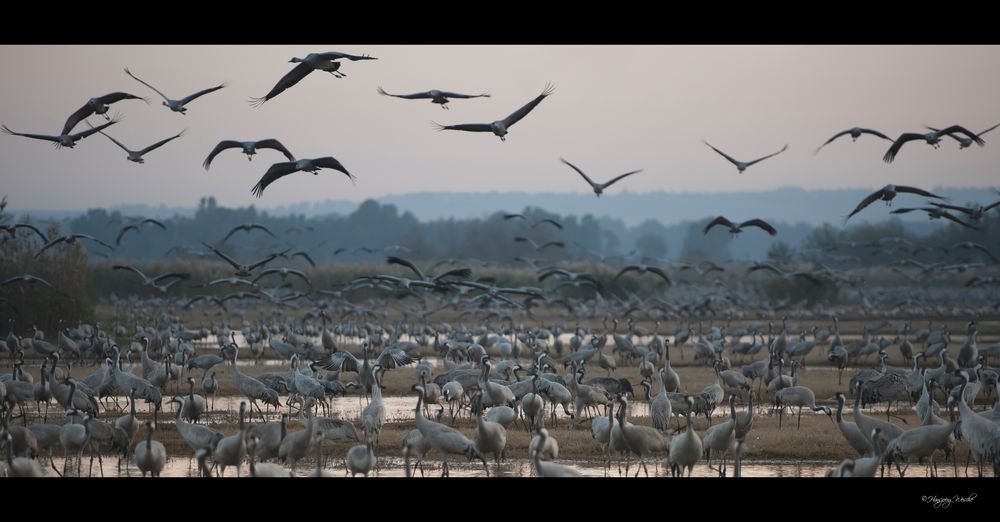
{"x": 394, "y": 467}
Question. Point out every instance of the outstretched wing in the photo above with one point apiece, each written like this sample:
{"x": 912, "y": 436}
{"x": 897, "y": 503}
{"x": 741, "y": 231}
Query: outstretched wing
{"x": 223, "y": 256}
{"x": 94, "y": 130}
{"x": 35, "y": 229}
{"x": 523, "y": 111}
{"x": 463, "y": 96}
{"x": 898, "y": 144}
{"x": 723, "y": 154}
{"x": 760, "y": 223}
{"x": 758, "y": 160}
{"x": 626, "y": 269}
{"x": 305, "y": 256}
{"x": 915, "y": 190}
{"x": 258, "y": 226}
{"x": 274, "y": 173}
{"x": 660, "y": 273}
{"x": 947, "y": 206}
{"x": 867, "y": 201}
{"x": 764, "y": 266}
{"x": 457, "y": 272}
{"x": 520, "y": 239}
{"x": 161, "y": 143}
{"x": 989, "y": 129}
{"x": 959, "y": 129}
{"x": 979, "y": 247}
{"x": 201, "y": 93}
{"x": 133, "y": 269}
{"x": 414, "y": 96}
{"x": 114, "y": 97}
{"x": 50, "y": 244}
{"x": 343, "y": 361}
{"x": 393, "y": 260}
{"x": 950, "y": 217}
{"x": 164, "y": 96}
{"x": 718, "y": 221}
{"x": 77, "y": 117}
{"x": 123, "y": 231}
{"x": 835, "y": 136}
{"x": 393, "y": 357}
{"x": 223, "y": 145}
{"x": 874, "y": 132}
{"x": 35, "y": 136}
{"x": 612, "y": 182}
{"x": 289, "y": 79}
{"x": 92, "y": 238}
{"x": 116, "y": 142}
{"x": 271, "y": 143}
{"x": 27, "y": 279}
{"x": 329, "y": 162}
{"x": 558, "y": 244}
{"x": 153, "y": 222}
{"x": 574, "y": 167}
{"x": 268, "y": 259}
{"x": 169, "y": 275}
{"x": 334, "y": 55}
{"x": 233, "y": 231}
{"x": 547, "y": 220}
{"x": 469, "y": 127}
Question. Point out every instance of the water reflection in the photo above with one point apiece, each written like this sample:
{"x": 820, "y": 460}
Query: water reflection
{"x": 394, "y": 467}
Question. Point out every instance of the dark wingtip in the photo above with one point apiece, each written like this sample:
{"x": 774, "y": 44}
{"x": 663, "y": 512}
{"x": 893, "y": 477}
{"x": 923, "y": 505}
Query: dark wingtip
{"x": 257, "y": 102}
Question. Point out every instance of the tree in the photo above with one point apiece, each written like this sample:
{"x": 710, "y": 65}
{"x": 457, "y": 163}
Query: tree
{"x": 64, "y": 266}
{"x": 699, "y": 247}
{"x": 650, "y": 245}
{"x": 780, "y": 252}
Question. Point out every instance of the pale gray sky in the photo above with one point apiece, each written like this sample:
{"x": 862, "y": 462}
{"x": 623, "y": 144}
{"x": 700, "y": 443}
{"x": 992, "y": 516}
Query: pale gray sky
{"x": 615, "y": 109}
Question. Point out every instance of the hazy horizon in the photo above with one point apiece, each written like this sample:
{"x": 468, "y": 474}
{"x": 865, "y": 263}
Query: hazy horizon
{"x": 615, "y": 109}
{"x": 782, "y": 205}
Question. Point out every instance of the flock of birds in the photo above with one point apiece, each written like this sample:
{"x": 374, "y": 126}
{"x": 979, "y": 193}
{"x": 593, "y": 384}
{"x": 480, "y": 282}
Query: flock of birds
{"x": 475, "y": 367}
{"x": 328, "y": 62}
{"x": 476, "y": 372}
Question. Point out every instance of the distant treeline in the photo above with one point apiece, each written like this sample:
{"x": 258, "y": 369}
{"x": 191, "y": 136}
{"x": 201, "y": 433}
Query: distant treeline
{"x": 384, "y": 230}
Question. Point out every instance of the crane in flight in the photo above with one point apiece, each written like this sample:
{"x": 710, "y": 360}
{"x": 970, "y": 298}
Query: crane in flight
{"x": 63, "y": 140}
{"x": 500, "y": 127}
{"x": 740, "y": 165}
{"x": 736, "y": 229}
{"x": 136, "y": 155}
{"x": 599, "y": 187}
{"x": 249, "y": 148}
{"x": 176, "y": 105}
{"x": 279, "y": 170}
{"x": 855, "y": 133}
{"x": 312, "y": 62}
{"x": 98, "y": 106}
{"x": 887, "y": 194}
{"x": 436, "y": 96}
{"x": 932, "y": 138}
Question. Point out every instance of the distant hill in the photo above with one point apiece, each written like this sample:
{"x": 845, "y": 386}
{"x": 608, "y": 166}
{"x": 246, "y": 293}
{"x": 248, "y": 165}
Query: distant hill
{"x": 791, "y": 205}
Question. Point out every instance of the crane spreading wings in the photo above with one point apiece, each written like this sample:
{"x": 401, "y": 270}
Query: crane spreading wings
{"x": 500, "y": 127}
